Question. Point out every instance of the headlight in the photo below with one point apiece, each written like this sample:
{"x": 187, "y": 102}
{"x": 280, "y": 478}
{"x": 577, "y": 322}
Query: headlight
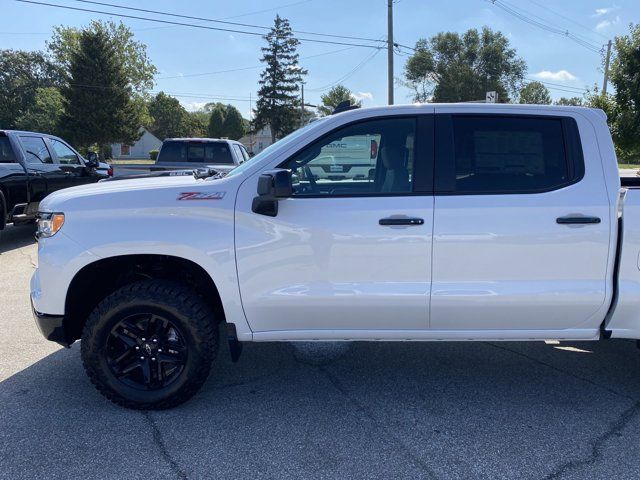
{"x": 49, "y": 224}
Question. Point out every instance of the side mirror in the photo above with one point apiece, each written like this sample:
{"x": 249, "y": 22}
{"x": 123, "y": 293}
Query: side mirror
{"x": 93, "y": 160}
{"x": 272, "y": 185}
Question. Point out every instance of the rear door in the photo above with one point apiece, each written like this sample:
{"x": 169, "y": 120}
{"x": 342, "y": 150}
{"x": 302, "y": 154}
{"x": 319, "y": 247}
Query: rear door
{"x": 521, "y": 230}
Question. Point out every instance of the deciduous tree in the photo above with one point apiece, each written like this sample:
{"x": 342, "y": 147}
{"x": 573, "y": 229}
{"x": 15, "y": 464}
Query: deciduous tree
{"x": 450, "y": 67}
{"x": 335, "y": 96}
{"x": 22, "y": 75}
{"x": 535, "y": 93}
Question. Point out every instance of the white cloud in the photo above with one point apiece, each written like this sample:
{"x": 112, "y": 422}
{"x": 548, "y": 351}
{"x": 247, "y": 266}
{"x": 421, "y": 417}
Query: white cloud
{"x": 559, "y": 76}
{"x": 604, "y": 24}
{"x": 193, "y": 106}
{"x": 363, "y": 95}
{"x": 602, "y": 11}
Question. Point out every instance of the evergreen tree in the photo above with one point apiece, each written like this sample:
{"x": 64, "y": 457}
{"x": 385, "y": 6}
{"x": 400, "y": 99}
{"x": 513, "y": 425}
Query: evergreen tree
{"x": 233, "y": 125}
{"x": 279, "y": 82}
{"x": 98, "y": 102}
{"x": 216, "y": 121}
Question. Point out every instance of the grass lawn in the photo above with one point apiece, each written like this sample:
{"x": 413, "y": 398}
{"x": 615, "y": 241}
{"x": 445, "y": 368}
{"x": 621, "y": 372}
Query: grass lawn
{"x": 129, "y": 161}
{"x": 628, "y": 165}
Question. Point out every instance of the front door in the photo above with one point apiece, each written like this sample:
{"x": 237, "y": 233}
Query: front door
{"x": 521, "y": 230}
{"x": 351, "y": 250}
{"x": 45, "y": 176}
{"x": 73, "y": 170}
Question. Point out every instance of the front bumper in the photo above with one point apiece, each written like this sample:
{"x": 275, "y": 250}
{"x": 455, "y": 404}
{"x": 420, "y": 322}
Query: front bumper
{"x": 51, "y": 326}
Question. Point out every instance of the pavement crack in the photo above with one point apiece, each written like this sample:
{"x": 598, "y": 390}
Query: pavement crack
{"x": 158, "y": 441}
{"x": 560, "y": 370}
{"x": 363, "y": 409}
{"x": 598, "y": 444}
{"x": 28, "y": 257}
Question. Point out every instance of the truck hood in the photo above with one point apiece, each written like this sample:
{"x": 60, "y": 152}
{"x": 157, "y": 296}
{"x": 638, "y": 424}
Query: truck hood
{"x": 128, "y": 193}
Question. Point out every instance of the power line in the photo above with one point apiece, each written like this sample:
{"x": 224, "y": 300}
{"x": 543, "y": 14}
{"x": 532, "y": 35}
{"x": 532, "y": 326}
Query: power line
{"x": 205, "y": 19}
{"x": 545, "y": 26}
{"x": 578, "y": 89}
{"x": 591, "y": 30}
{"x": 366, "y": 60}
{"x": 193, "y": 25}
{"x": 239, "y": 69}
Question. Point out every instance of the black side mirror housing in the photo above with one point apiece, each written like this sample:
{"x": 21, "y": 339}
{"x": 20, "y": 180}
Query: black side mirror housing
{"x": 272, "y": 185}
{"x": 93, "y": 161}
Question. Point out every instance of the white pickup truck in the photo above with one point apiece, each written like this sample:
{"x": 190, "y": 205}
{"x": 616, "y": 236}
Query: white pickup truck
{"x": 480, "y": 222}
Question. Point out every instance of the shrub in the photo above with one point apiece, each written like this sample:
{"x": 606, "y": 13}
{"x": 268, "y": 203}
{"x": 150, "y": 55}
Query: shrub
{"x": 153, "y": 154}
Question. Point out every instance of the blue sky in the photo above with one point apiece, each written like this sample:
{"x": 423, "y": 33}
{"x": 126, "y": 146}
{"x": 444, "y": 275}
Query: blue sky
{"x": 186, "y": 57}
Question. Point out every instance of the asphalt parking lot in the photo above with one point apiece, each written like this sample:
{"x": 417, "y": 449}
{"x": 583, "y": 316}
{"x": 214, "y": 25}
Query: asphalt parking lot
{"x": 360, "y": 410}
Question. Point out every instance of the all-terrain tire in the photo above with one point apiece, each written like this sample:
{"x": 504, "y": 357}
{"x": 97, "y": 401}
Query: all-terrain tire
{"x": 185, "y": 309}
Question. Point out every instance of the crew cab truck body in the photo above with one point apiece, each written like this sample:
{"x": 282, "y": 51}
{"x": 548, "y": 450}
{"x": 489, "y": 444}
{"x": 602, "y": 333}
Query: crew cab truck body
{"x": 189, "y": 154}
{"x": 480, "y": 222}
{"x": 33, "y": 165}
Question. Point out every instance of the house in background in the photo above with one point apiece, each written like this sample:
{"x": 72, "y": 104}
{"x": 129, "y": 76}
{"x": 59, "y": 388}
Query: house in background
{"x": 258, "y": 141}
{"x": 138, "y": 150}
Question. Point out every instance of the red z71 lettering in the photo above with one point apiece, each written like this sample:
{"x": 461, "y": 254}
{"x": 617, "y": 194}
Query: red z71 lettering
{"x": 201, "y": 196}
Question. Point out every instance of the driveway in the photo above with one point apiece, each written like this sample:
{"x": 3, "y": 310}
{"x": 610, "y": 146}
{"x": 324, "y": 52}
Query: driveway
{"x": 357, "y": 411}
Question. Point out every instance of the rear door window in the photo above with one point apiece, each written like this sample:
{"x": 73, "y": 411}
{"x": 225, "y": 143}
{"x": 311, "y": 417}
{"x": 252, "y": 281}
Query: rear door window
{"x": 493, "y": 154}
{"x": 35, "y": 149}
{"x": 196, "y": 152}
{"x": 6, "y": 152}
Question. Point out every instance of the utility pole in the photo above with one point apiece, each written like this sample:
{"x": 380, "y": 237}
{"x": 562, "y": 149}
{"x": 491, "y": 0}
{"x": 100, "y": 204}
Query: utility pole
{"x": 250, "y": 124}
{"x": 606, "y": 69}
{"x": 390, "y": 50}
{"x": 302, "y": 112}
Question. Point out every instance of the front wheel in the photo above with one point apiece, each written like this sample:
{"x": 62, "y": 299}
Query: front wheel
{"x": 149, "y": 345}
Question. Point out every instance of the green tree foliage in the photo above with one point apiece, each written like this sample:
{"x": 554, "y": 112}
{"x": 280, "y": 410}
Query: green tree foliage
{"x": 216, "y": 121}
{"x": 335, "y": 96}
{"x": 198, "y": 123}
{"x": 571, "y": 102}
{"x": 279, "y": 82}
{"x": 225, "y": 121}
{"x": 131, "y": 54}
{"x": 450, "y": 67}
{"x": 45, "y": 113}
{"x": 625, "y": 77}
{"x": 98, "y": 102}
{"x": 535, "y": 93}
{"x": 170, "y": 118}
{"x": 233, "y": 125}
{"x": 22, "y": 75}
{"x": 620, "y": 123}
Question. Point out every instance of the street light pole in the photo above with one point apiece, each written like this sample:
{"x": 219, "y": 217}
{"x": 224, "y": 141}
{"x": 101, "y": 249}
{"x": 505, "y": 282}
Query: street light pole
{"x": 390, "y": 51}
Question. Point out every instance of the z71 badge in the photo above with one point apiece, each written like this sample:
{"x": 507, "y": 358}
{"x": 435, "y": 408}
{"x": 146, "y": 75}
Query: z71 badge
{"x": 201, "y": 196}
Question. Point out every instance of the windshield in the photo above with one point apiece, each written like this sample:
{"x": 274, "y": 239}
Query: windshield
{"x": 280, "y": 143}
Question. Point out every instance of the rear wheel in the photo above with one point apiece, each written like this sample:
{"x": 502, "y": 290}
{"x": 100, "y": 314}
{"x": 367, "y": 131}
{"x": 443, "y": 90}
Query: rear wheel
{"x": 150, "y": 345}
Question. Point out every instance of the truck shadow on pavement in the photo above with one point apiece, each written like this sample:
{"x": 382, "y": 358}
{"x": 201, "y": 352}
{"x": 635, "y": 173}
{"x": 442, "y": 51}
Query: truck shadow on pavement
{"x": 12, "y": 237}
{"x": 358, "y": 410}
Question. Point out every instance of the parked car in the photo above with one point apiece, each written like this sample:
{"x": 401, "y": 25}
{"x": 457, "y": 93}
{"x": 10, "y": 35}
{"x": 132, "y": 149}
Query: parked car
{"x": 33, "y": 165}
{"x": 480, "y": 222}
{"x": 190, "y": 154}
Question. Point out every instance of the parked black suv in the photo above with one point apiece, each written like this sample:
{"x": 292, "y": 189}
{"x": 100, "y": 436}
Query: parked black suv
{"x": 32, "y": 165}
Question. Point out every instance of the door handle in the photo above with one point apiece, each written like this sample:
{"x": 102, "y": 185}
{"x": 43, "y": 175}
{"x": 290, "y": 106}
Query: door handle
{"x": 401, "y": 221}
{"x": 577, "y": 220}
